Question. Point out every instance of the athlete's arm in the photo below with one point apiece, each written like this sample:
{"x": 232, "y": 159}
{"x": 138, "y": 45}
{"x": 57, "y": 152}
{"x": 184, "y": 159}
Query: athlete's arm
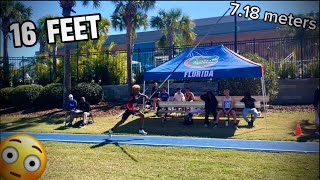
{"x": 143, "y": 95}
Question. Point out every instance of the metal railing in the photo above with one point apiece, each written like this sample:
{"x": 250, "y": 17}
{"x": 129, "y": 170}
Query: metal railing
{"x": 290, "y": 57}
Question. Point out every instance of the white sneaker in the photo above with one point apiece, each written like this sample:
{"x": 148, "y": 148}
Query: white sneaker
{"x": 141, "y": 131}
{"x": 65, "y": 120}
{"x": 110, "y": 133}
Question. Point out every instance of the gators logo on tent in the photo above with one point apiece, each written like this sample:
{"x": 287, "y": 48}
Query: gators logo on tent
{"x": 201, "y": 61}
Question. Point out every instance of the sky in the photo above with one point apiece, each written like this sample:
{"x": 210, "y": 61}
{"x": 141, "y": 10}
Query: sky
{"x": 195, "y": 9}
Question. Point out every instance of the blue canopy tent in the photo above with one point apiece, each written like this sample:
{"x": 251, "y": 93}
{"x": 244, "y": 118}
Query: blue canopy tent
{"x": 207, "y": 62}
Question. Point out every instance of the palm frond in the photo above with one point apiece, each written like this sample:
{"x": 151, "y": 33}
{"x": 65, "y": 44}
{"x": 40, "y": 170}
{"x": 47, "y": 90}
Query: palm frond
{"x": 173, "y": 23}
{"x": 118, "y": 22}
{"x": 96, "y": 3}
{"x": 157, "y": 22}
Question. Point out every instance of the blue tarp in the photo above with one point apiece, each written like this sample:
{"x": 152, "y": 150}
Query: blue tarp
{"x": 206, "y": 62}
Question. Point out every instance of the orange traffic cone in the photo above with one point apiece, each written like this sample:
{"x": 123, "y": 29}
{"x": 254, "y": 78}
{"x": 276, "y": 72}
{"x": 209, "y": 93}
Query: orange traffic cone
{"x": 298, "y": 131}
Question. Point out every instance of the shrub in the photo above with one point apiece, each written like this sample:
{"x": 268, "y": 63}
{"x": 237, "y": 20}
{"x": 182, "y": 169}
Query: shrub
{"x": 5, "y": 96}
{"x": 288, "y": 70}
{"x": 91, "y": 91}
{"x": 314, "y": 69}
{"x": 26, "y": 95}
{"x": 238, "y": 86}
{"x": 51, "y": 95}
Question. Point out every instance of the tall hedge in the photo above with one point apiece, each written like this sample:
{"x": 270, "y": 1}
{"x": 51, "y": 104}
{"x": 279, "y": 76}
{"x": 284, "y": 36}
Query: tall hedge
{"x": 26, "y": 95}
{"x": 51, "y": 95}
{"x": 91, "y": 91}
{"x": 238, "y": 86}
{"x": 5, "y": 96}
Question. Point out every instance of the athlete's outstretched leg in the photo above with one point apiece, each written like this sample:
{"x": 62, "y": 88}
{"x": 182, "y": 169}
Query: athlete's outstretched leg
{"x": 125, "y": 116}
{"x": 141, "y": 130}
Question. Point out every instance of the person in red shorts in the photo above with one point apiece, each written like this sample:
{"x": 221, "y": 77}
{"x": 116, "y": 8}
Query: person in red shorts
{"x": 130, "y": 110}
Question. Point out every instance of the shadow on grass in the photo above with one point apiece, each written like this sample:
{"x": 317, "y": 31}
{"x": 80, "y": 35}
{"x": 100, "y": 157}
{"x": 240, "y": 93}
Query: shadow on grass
{"x": 36, "y": 109}
{"x": 75, "y": 124}
{"x": 308, "y": 130}
{"x": 27, "y": 122}
{"x": 253, "y": 130}
{"x": 116, "y": 143}
{"x": 107, "y": 107}
{"x": 175, "y": 127}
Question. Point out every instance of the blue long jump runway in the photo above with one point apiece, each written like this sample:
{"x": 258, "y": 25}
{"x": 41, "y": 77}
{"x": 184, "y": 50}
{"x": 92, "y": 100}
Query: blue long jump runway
{"x": 251, "y": 145}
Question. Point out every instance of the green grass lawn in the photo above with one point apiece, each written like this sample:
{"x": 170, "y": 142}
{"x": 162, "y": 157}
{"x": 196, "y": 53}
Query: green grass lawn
{"x": 280, "y": 126}
{"x": 84, "y": 161}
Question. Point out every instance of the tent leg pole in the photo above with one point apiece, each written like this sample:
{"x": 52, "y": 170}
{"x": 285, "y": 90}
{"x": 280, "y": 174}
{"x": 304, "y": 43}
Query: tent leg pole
{"x": 264, "y": 101}
{"x": 144, "y": 90}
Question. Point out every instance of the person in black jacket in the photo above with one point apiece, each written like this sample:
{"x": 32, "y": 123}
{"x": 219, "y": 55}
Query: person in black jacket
{"x": 316, "y": 104}
{"x": 249, "y": 108}
{"x": 84, "y": 106}
{"x": 211, "y": 105}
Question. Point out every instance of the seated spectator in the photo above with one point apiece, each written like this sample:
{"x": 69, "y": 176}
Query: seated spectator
{"x": 164, "y": 96}
{"x": 210, "y": 106}
{"x": 155, "y": 95}
{"x": 189, "y": 95}
{"x": 249, "y": 108}
{"x": 178, "y": 96}
{"x": 71, "y": 108}
{"x": 84, "y": 106}
{"x": 227, "y": 108}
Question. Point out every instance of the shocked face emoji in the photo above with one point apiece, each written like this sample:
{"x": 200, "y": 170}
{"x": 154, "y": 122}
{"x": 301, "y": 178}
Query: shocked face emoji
{"x": 22, "y": 157}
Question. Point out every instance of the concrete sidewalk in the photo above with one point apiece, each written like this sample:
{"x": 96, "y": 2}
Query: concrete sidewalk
{"x": 249, "y": 145}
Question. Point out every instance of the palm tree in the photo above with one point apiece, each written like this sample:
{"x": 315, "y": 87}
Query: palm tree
{"x": 67, "y": 8}
{"x": 174, "y": 26}
{"x": 10, "y": 11}
{"x": 45, "y": 48}
{"x": 130, "y": 15}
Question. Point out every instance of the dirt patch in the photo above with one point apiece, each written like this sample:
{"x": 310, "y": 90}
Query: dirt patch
{"x": 105, "y": 109}
{"x": 295, "y": 108}
{"x": 101, "y": 109}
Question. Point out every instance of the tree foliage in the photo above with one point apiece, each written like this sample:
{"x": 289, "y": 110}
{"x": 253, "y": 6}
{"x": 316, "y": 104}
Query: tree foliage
{"x": 238, "y": 86}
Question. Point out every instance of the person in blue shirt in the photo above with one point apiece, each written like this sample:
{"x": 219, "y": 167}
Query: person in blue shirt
{"x": 71, "y": 108}
{"x": 164, "y": 96}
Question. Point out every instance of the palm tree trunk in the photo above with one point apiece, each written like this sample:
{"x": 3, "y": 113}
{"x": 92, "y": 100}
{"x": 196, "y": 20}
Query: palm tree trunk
{"x": 129, "y": 54}
{"x": 54, "y": 60}
{"x": 170, "y": 43}
{"x": 42, "y": 47}
{"x": 67, "y": 66}
{"x": 6, "y": 66}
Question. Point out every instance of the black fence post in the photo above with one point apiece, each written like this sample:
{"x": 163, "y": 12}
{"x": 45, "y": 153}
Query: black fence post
{"x": 77, "y": 62}
{"x": 301, "y": 57}
{"x": 23, "y": 72}
{"x": 50, "y": 65}
{"x": 254, "y": 45}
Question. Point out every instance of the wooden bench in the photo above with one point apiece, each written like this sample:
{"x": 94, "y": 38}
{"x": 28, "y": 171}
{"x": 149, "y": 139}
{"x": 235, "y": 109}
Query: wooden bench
{"x": 168, "y": 107}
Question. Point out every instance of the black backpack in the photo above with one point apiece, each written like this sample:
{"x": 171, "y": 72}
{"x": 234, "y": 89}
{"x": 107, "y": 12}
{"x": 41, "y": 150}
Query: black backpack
{"x": 188, "y": 119}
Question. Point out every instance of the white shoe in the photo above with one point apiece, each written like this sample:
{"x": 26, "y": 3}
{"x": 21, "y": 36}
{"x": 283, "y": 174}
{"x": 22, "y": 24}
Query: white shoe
{"x": 110, "y": 133}
{"x": 65, "y": 121}
{"x": 141, "y": 131}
